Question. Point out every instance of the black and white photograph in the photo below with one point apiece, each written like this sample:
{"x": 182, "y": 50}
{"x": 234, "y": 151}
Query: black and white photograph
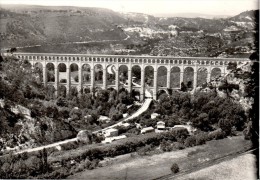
{"x": 129, "y": 89}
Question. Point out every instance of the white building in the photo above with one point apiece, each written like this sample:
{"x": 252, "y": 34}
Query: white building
{"x": 147, "y": 130}
{"x": 160, "y": 125}
{"x": 126, "y": 124}
{"x": 125, "y": 115}
{"x": 154, "y": 115}
{"x": 110, "y": 132}
{"x": 190, "y": 129}
{"x": 104, "y": 119}
{"x": 111, "y": 139}
{"x": 138, "y": 126}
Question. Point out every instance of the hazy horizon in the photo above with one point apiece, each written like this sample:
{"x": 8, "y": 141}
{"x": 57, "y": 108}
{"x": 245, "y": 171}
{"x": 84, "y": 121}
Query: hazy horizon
{"x": 154, "y": 7}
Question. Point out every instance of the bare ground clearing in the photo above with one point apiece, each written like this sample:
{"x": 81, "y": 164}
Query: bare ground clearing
{"x": 239, "y": 168}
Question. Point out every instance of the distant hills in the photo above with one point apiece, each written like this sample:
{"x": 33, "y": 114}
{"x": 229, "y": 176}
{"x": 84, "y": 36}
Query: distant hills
{"x": 99, "y": 30}
{"x": 193, "y": 15}
{"x": 38, "y": 25}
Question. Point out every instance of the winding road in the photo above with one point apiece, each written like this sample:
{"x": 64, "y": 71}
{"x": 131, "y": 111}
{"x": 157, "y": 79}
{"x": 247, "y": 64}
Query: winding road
{"x": 142, "y": 109}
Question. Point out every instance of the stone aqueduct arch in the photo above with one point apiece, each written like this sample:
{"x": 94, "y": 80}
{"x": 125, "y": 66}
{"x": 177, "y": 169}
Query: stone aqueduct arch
{"x": 173, "y": 65}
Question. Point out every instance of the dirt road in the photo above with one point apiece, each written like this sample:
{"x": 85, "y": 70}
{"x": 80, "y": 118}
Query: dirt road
{"x": 142, "y": 109}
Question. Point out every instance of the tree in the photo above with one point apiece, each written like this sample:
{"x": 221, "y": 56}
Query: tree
{"x": 33, "y": 164}
{"x": 75, "y": 114}
{"x": 122, "y": 97}
{"x": 232, "y": 66}
{"x": 76, "y": 78}
{"x": 166, "y": 146}
{"x": 248, "y": 131}
{"x": 175, "y": 168}
{"x": 189, "y": 84}
{"x": 85, "y": 101}
{"x": 43, "y": 156}
{"x": 52, "y": 112}
{"x": 73, "y": 92}
{"x": 12, "y": 50}
{"x": 201, "y": 122}
{"x": 61, "y": 101}
{"x": 183, "y": 87}
{"x": 102, "y": 96}
{"x": 225, "y": 125}
{"x": 50, "y": 77}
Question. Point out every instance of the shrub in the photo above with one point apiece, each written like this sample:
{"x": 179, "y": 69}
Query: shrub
{"x": 190, "y": 141}
{"x": 116, "y": 117}
{"x": 145, "y": 150}
{"x": 248, "y": 131}
{"x": 178, "y": 145}
{"x": 93, "y": 164}
{"x": 121, "y": 129}
{"x": 180, "y": 134}
{"x": 217, "y": 134}
{"x": 175, "y": 168}
{"x": 166, "y": 146}
{"x": 60, "y": 173}
{"x": 6, "y": 169}
{"x": 33, "y": 164}
{"x": 69, "y": 145}
{"x": 87, "y": 163}
{"x": 201, "y": 138}
{"x": 225, "y": 125}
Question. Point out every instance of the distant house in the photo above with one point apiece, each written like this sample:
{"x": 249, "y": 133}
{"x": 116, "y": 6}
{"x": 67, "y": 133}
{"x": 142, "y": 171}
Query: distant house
{"x": 138, "y": 126}
{"x": 110, "y": 132}
{"x": 111, "y": 139}
{"x": 154, "y": 115}
{"x": 190, "y": 129}
{"x": 104, "y": 119}
{"x": 147, "y": 130}
{"x": 125, "y": 115}
{"x": 87, "y": 116}
{"x": 126, "y": 124}
{"x": 160, "y": 125}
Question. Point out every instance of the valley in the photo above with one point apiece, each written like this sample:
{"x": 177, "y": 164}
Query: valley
{"x": 92, "y": 93}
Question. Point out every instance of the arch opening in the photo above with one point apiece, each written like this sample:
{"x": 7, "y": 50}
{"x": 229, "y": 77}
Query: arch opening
{"x": 175, "y": 77}
{"x": 98, "y": 70}
{"x": 38, "y": 69}
{"x": 50, "y": 72}
{"x": 74, "y": 73}
{"x": 162, "y": 76}
{"x": 62, "y": 68}
{"x": 62, "y": 91}
{"x": 50, "y": 91}
{"x": 215, "y": 73}
{"x": 188, "y": 77}
{"x": 111, "y": 74}
{"x": 149, "y": 76}
{"x": 123, "y": 75}
{"x": 136, "y": 75}
{"x": 86, "y": 76}
{"x": 202, "y": 76}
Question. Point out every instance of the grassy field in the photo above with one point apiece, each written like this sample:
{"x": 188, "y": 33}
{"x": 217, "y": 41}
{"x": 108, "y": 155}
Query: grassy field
{"x": 150, "y": 167}
{"x": 240, "y": 168}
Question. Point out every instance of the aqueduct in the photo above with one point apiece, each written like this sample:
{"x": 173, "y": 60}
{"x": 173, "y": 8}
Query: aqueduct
{"x": 84, "y": 64}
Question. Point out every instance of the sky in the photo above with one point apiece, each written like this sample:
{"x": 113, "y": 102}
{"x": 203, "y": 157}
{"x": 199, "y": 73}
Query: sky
{"x": 154, "y": 7}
